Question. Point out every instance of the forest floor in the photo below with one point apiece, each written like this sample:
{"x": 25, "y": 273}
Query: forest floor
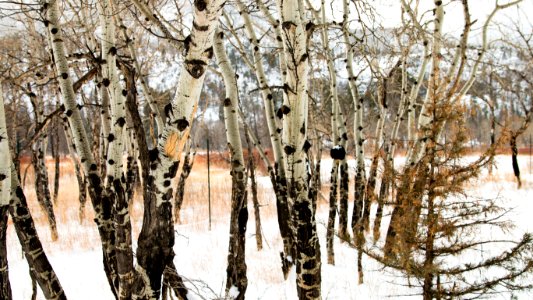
{"x": 201, "y": 253}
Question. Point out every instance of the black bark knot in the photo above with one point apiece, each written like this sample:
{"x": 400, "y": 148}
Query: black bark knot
{"x": 54, "y": 30}
{"x": 124, "y": 93}
{"x": 227, "y": 102}
{"x": 110, "y": 137}
{"x": 200, "y": 27}
{"x": 120, "y": 122}
{"x": 111, "y": 162}
{"x": 69, "y": 113}
{"x": 106, "y": 82}
{"x": 92, "y": 167}
{"x": 195, "y": 67}
{"x": 2, "y": 177}
{"x": 64, "y": 76}
{"x": 338, "y": 152}
{"x": 285, "y": 109}
{"x": 287, "y": 25}
{"x": 182, "y": 124}
{"x": 289, "y": 150}
{"x": 200, "y": 5}
{"x": 307, "y": 145}
{"x": 153, "y": 154}
{"x": 112, "y": 51}
{"x": 243, "y": 220}
{"x": 345, "y": 136}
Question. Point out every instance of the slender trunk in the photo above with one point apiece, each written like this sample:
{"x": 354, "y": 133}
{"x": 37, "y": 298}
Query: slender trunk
{"x": 101, "y": 204}
{"x": 514, "y": 158}
{"x": 330, "y": 232}
{"x": 343, "y": 201}
{"x": 5, "y": 287}
{"x": 188, "y": 162}
{"x": 31, "y": 245}
{"x": 57, "y": 161}
{"x": 282, "y": 199}
{"x": 295, "y": 117}
{"x": 42, "y": 189}
{"x": 255, "y": 200}
{"x": 236, "y": 281}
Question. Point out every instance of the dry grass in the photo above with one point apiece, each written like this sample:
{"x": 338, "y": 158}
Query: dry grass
{"x": 74, "y": 235}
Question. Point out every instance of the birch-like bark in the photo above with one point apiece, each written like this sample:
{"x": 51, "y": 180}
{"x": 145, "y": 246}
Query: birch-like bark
{"x": 360, "y": 175}
{"x": 255, "y": 200}
{"x": 236, "y": 269}
{"x": 101, "y": 204}
{"x": 42, "y": 189}
{"x": 282, "y": 205}
{"x": 5, "y": 286}
{"x": 115, "y": 179}
{"x": 156, "y": 238}
{"x": 295, "y": 114}
{"x": 42, "y": 270}
{"x": 5, "y": 190}
{"x": 5, "y": 162}
{"x": 188, "y": 162}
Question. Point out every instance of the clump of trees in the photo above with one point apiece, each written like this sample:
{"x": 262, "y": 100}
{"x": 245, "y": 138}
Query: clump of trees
{"x": 291, "y": 93}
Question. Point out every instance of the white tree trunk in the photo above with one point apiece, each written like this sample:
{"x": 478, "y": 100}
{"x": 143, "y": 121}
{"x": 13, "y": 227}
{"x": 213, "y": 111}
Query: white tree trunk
{"x": 236, "y": 269}
{"x": 5, "y": 158}
{"x": 308, "y": 265}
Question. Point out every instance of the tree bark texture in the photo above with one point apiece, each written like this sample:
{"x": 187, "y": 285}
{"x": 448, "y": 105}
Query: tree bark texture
{"x": 101, "y": 203}
{"x": 236, "y": 269}
{"x": 188, "y": 162}
{"x": 295, "y": 115}
{"x": 255, "y": 200}
{"x": 282, "y": 204}
{"x": 42, "y": 189}
{"x": 156, "y": 238}
{"x": 5, "y": 287}
{"x": 31, "y": 245}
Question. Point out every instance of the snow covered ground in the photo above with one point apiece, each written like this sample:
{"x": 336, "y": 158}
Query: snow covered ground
{"x": 201, "y": 254}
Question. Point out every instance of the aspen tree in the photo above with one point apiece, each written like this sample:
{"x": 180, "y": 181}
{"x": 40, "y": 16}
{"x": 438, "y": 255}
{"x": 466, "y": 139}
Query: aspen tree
{"x": 236, "y": 280}
{"x": 280, "y": 183}
{"x": 39, "y": 148}
{"x": 295, "y": 114}
{"x": 5, "y": 190}
{"x": 115, "y": 180}
{"x": 41, "y": 269}
{"x": 179, "y": 195}
{"x": 156, "y": 238}
{"x": 101, "y": 204}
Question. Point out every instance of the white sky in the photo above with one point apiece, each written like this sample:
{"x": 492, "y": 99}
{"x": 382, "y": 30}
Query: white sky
{"x": 453, "y": 20}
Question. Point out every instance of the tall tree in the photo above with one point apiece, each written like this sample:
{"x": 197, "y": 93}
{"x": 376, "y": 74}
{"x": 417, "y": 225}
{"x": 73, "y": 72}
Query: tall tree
{"x": 236, "y": 281}
{"x": 295, "y": 115}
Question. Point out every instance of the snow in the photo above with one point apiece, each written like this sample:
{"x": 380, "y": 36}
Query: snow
{"x": 201, "y": 254}
{"x": 233, "y": 292}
